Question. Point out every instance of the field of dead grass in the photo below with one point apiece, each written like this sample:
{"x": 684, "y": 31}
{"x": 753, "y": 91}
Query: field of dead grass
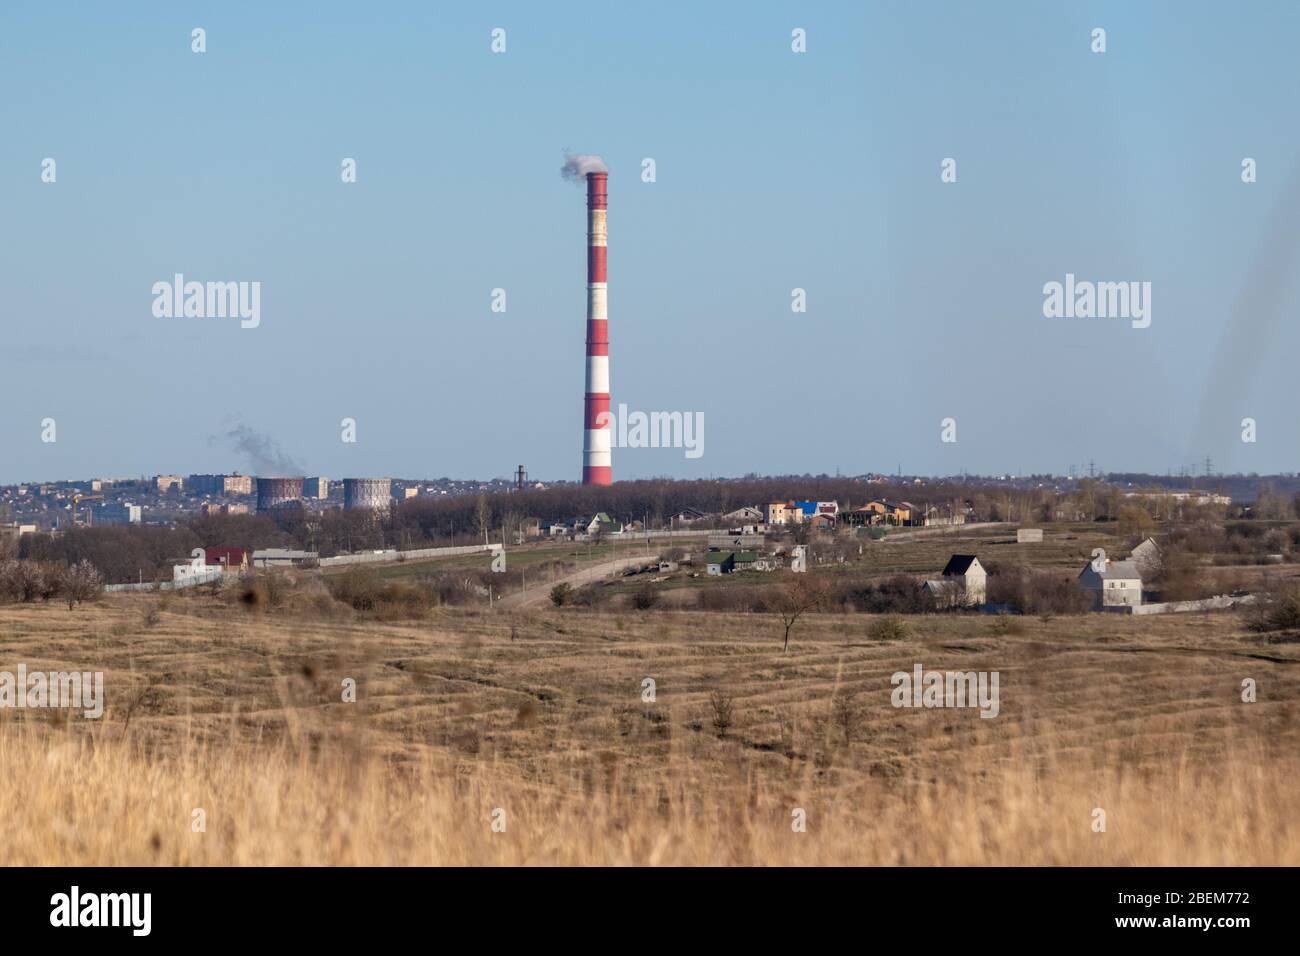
{"x": 537, "y": 720}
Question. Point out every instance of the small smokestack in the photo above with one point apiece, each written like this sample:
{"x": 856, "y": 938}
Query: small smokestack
{"x": 596, "y": 467}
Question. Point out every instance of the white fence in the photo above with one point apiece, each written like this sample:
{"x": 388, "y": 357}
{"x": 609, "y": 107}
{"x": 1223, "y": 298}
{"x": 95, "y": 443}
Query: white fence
{"x": 369, "y": 557}
{"x": 1208, "y": 604}
{"x": 206, "y": 577}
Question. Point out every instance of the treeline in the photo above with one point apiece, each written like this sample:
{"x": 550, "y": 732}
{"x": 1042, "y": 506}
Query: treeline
{"x": 656, "y": 501}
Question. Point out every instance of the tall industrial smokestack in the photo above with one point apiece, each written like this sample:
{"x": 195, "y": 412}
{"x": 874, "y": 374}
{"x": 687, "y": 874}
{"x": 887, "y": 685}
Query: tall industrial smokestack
{"x": 596, "y": 468}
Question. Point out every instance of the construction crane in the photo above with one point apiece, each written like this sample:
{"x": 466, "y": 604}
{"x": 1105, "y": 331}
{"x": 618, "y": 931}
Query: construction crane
{"x": 76, "y": 500}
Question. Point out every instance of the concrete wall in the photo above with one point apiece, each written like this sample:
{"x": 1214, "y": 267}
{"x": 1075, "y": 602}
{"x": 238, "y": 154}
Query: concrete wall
{"x": 206, "y": 577}
{"x": 1208, "y": 604}
{"x": 371, "y": 557}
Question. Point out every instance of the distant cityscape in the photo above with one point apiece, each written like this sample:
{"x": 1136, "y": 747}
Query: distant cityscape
{"x": 164, "y": 500}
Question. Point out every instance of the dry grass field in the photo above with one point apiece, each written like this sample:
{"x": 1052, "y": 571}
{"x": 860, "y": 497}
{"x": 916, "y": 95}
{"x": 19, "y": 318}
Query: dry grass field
{"x": 536, "y": 720}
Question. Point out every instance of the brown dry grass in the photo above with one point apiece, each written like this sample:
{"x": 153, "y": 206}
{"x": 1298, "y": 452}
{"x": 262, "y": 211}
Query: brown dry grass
{"x": 239, "y": 712}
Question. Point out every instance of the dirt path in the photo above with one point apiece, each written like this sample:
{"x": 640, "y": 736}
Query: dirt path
{"x": 540, "y": 594}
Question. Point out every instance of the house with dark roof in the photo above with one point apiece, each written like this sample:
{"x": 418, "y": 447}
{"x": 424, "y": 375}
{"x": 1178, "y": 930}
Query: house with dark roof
{"x": 232, "y": 559}
{"x": 966, "y": 570}
{"x": 727, "y": 562}
{"x": 719, "y": 562}
{"x": 688, "y": 516}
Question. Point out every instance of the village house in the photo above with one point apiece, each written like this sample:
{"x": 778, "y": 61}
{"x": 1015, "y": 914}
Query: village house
{"x": 735, "y": 542}
{"x": 603, "y": 524}
{"x": 1146, "y": 557}
{"x": 881, "y": 511}
{"x": 719, "y": 562}
{"x": 727, "y": 562}
{"x": 971, "y": 576}
{"x": 283, "y": 558}
{"x": 742, "y": 516}
{"x": 1112, "y": 585}
{"x": 929, "y": 516}
{"x": 859, "y": 517}
{"x": 811, "y": 508}
{"x": 946, "y": 593}
{"x": 784, "y": 512}
{"x": 227, "y": 558}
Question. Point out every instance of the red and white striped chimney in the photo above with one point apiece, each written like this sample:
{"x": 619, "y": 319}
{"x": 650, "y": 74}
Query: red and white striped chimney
{"x": 596, "y": 468}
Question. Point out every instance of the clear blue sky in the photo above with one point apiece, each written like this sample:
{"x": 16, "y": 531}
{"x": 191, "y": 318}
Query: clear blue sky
{"x": 775, "y": 171}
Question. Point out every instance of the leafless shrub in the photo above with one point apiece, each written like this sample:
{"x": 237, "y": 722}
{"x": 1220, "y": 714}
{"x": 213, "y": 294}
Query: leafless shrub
{"x": 387, "y": 600}
{"x": 526, "y": 715}
{"x": 845, "y": 711}
{"x": 889, "y": 628}
{"x": 1005, "y": 624}
{"x": 723, "y": 708}
{"x": 589, "y": 595}
{"x": 730, "y": 598}
{"x": 80, "y": 582}
{"x": 1277, "y": 609}
{"x": 27, "y": 581}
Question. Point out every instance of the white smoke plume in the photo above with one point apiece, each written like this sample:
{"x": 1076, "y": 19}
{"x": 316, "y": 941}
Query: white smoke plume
{"x": 577, "y": 165}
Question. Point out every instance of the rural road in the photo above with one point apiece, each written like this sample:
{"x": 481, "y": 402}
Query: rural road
{"x": 540, "y": 594}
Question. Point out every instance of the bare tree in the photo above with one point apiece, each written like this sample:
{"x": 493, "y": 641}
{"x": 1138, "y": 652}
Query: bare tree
{"x": 804, "y": 593}
{"x": 27, "y": 581}
{"x": 80, "y": 582}
{"x": 483, "y": 516}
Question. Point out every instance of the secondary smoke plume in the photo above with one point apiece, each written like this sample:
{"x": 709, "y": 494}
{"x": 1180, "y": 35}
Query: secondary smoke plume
{"x": 577, "y": 165}
{"x": 1252, "y": 328}
{"x": 260, "y": 452}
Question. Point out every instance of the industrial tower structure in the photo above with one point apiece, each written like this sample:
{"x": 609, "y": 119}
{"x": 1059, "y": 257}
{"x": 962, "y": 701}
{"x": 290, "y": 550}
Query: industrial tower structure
{"x": 596, "y": 467}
